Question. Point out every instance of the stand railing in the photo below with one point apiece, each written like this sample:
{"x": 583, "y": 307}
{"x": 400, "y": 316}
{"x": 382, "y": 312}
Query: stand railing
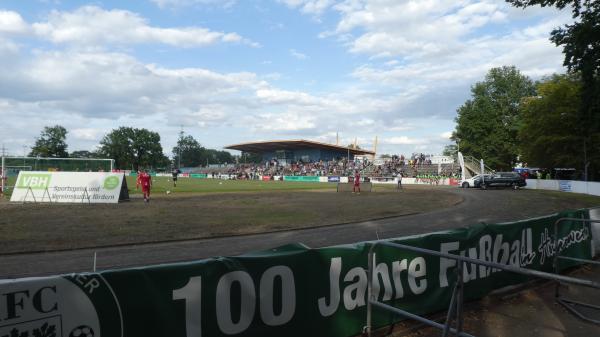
{"x": 570, "y": 304}
{"x": 455, "y": 309}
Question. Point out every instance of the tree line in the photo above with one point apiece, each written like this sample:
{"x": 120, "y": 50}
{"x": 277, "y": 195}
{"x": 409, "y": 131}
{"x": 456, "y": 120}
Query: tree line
{"x": 134, "y": 148}
{"x": 551, "y": 123}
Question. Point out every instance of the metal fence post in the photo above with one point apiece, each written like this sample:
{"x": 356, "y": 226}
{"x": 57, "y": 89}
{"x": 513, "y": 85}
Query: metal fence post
{"x": 370, "y": 288}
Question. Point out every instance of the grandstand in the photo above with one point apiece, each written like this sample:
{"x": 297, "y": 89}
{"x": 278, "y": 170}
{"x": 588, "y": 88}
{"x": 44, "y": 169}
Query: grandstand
{"x": 300, "y": 150}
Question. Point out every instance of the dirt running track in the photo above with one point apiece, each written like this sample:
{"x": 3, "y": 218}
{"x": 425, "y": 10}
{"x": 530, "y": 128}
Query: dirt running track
{"x": 478, "y": 206}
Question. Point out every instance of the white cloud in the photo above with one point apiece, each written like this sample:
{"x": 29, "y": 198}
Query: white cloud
{"x": 289, "y": 121}
{"x": 87, "y": 133}
{"x": 12, "y": 23}
{"x": 415, "y": 62}
{"x": 298, "y": 55}
{"x": 186, "y": 3}
{"x": 403, "y": 140}
{"x": 446, "y": 135}
{"x": 94, "y": 26}
{"x": 312, "y": 7}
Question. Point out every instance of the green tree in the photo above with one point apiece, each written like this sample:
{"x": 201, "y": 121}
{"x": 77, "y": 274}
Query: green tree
{"x": 248, "y": 157}
{"x": 190, "y": 150}
{"x": 51, "y": 143}
{"x": 487, "y": 124}
{"x": 83, "y": 154}
{"x": 213, "y": 156}
{"x": 450, "y": 150}
{"x": 581, "y": 47}
{"x": 133, "y": 148}
{"x": 549, "y": 133}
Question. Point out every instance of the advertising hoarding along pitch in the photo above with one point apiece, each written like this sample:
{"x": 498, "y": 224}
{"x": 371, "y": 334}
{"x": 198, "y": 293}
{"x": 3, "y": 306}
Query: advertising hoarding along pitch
{"x": 290, "y": 291}
{"x": 70, "y": 187}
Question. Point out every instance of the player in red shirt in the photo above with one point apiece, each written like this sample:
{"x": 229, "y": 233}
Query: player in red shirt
{"x": 145, "y": 180}
{"x": 356, "y": 182}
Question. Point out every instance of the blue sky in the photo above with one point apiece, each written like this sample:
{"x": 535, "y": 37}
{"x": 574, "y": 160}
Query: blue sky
{"x": 232, "y": 71}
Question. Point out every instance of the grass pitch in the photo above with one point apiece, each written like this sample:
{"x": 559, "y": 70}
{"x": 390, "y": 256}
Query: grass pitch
{"x": 202, "y": 208}
{"x": 192, "y": 185}
{"x": 205, "y": 208}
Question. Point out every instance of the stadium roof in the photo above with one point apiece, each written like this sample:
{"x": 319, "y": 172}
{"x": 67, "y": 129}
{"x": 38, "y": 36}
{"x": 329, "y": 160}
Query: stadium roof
{"x": 294, "y": 144}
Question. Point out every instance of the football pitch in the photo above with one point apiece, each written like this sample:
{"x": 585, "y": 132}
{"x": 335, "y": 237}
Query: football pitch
{"x": 207, "y": 208}
{"x": 203, "y": 208}
{"x": 192, "y": 185}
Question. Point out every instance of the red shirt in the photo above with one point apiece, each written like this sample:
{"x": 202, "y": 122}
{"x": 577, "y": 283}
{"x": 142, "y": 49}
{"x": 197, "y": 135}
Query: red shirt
{"x": 357, "y": 179}
{"x": 145, "y": 180}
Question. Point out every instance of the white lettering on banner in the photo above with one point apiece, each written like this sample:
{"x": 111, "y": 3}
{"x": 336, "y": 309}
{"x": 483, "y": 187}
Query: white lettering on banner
{"x": 247, "y": 304}
{"x": 548, "y": 248}
{"x": 191, "y": 293}
{"x": 520, "y": 254}
{"x": 354, "y": 293}
{"x": 288, "y": 295}
{"x": 335, "y": 269}
{"x": 416, "y": 268}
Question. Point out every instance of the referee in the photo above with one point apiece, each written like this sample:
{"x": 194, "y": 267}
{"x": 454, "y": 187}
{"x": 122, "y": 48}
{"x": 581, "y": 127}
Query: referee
{"x": 175, "y": 173}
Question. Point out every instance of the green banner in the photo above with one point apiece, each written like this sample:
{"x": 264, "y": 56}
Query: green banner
{"x": 286, "y": 291}
{"x": 301, "y": 178}
{"x": 198, "y": 175}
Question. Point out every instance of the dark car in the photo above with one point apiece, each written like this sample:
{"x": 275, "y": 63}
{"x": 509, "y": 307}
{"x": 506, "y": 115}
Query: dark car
{"x": 504, "y": 179}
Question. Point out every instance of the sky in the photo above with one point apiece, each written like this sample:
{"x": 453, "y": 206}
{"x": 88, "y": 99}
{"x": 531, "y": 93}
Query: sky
{"x": 233, "y": 71}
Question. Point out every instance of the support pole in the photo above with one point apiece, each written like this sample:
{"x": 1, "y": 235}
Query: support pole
{"x": 2, "y": 175}
{"x": 94, "y": 267}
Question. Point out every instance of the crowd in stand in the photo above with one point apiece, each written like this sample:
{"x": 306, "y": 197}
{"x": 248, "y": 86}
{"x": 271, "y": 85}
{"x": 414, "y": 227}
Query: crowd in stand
{"x": 417, "y": 166}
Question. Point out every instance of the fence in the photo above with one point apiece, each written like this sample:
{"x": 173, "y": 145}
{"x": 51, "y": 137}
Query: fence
{"x": 455, "y": 309}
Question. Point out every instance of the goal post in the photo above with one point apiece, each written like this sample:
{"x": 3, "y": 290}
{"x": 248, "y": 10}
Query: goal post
{"x": 11, "y": 166}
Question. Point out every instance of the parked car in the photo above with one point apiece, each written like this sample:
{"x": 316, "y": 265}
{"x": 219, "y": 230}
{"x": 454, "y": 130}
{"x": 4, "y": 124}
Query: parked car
{"x": 474, "y": 181}
{"x": 504, "y": 179}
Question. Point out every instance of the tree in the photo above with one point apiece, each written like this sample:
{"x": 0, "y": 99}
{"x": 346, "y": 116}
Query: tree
{"x": 450, "y": 150}
{"x": 549, "y": 134}
{"x": 51, "y": 143}
{"x": 133, "y": 148}
{"x": 581, "y": 47}
{"x": 218, "y": 157}
{"x": 83, "y": 154}
{"x": 191, "y": 152}
{"x": 487, "y": 124}
{"x": 248, "y": 157}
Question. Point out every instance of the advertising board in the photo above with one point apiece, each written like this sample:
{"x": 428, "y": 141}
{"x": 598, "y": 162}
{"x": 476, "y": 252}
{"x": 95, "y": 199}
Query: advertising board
{"x": 70, "y": 187}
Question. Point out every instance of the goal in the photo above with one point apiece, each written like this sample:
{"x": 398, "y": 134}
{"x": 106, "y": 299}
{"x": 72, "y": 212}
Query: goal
{"x": 11, "y": 166}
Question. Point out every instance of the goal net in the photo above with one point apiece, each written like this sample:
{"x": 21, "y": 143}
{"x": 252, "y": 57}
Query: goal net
{"x": 11, "y": 166}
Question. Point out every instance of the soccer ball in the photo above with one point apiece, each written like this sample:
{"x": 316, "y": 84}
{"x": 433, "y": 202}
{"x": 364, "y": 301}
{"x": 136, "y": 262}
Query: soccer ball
{"x": 220, "y": 183}
{"x": 168, "y": 192}
{"x": 82, "y": 331}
